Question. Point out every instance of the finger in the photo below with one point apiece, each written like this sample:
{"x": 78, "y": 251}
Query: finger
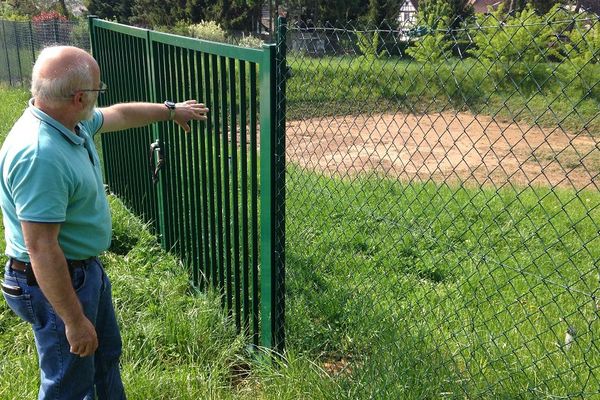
{"x": 190, "y": 102}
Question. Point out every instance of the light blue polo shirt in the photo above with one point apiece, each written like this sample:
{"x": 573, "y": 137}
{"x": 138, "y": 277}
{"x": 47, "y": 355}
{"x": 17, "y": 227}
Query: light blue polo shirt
{"x": 52, "y": 175}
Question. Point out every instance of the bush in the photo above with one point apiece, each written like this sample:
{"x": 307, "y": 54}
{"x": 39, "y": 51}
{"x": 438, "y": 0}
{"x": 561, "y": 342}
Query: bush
{"x": 432, "y": 48}
{"x": 208, "y": 30}
{"x": 251, "y": 41}
{"x": 8, "y": 12}
{"x": 580, "y": 69}
{"x": 368, "y": 44}
{"x": 515, "y": 48}
{"x": 80, "y": 35}
{"x": 48, "y": 16}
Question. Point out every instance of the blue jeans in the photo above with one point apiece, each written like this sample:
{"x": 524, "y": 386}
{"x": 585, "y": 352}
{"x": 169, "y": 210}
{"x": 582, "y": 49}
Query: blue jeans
{"x": 65, "y": 375}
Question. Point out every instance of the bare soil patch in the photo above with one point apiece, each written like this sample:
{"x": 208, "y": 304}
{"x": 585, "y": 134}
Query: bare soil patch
{"x": 445, "y": 147}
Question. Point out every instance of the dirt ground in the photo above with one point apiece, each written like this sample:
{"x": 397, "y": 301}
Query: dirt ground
{"x": 446, "y": 146}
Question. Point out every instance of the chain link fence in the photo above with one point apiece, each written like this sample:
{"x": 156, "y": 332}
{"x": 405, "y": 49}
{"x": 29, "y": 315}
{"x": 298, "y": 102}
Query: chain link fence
{"x": 21, "y": 42}
{"x": 442, "y": 207}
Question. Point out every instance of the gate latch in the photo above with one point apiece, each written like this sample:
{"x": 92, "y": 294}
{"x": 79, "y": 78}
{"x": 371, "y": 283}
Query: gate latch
{"x": 156, "y": 147}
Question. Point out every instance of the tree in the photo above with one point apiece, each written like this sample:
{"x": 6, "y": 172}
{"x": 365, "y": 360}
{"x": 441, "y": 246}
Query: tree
{"x": 460, "y": 11}
{"x": 233, "y": 14}
{"x": 434, "y": 14}
{"x": 541, "y": 7}
{"x": 120, "y": 10}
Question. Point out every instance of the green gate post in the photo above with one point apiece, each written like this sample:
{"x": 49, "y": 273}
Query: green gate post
{"x": 280, "y": 183}
{"x": 268, "y": 126}
{"x": 272, "y": 171}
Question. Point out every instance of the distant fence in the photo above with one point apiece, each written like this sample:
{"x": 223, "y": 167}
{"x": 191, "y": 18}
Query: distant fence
{"x": 21, "y": 41}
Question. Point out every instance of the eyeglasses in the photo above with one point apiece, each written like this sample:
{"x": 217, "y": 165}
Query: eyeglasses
{"x": 102, "y": 90}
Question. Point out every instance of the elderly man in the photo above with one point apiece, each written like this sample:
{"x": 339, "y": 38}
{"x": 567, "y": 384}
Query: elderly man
{"x": 57, "y": 221}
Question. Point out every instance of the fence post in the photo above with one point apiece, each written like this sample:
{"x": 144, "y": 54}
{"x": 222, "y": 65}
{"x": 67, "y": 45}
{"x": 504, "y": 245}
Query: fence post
{"x": 280, "y": 182}
{"x": 91, "y": 19}
{"x": 31, "y": 42}
{"x": 268, "y": 190}
{"x": 6, "y": 50}
{"x": 18, "y": 49}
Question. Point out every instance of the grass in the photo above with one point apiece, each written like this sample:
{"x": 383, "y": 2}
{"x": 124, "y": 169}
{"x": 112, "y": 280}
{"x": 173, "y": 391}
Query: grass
{"x": 558, "y": 95}
{"x": 469, "y": 290}
{"x": 395, "y": 290}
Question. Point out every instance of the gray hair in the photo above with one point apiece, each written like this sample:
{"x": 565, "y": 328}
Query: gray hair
{"x": 61, "y": 86}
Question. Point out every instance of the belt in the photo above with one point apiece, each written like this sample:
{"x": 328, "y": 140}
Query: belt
{"x": 25, "y": 267}
{"x": 18, "y": 265}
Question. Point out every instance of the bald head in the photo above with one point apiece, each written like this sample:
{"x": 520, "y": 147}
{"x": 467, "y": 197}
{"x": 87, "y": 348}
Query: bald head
{"x": 61, "y": 70}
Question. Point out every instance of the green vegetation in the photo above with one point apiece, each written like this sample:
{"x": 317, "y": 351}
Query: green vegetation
{"x": 395, "y": 290}
{"x": 349, "y": 85}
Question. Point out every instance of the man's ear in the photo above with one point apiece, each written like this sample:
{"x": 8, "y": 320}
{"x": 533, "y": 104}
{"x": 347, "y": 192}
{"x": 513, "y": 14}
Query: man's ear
{"x": 78, "y": 98}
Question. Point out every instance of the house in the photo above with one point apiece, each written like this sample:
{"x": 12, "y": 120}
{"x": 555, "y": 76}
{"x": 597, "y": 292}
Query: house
{"x": 407, "y": 17}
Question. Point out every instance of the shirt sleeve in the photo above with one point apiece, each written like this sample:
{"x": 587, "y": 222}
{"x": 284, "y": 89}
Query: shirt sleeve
{"x": 40, "y": 190}
{"x": 94, "y": 124}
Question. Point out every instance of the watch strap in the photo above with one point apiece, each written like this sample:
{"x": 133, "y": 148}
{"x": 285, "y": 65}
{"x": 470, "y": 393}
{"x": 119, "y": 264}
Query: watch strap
{"x": 171, "y": 106}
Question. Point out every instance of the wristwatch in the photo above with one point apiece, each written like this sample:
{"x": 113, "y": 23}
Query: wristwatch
{"x": 171, "y": 106}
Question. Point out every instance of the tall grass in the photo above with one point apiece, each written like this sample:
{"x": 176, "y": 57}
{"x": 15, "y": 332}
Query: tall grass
{"x": 394, "y": 291}
{"x": 178, "y": 344}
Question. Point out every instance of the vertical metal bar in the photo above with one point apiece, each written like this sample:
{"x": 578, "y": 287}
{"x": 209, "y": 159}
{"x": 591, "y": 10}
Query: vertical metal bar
{"x": 254, "y": 200}
{"x": 197, "y": 167}
{"x": 214, "y": 241}
{"x": 244, "y": 199}
{"x": 218, "y": 167}
{"x": 226, "y": 183}
{"x": 267, "y": 195}
{"x": 132, "y": 134}
{"x": 173, "y": 156}
{"x": 188, "y": 170}
{"x": 204, "y": 88}
{"x": 192, "y": 171}
{"x": 235, "y": 190}
{"x": 154, "y": 64}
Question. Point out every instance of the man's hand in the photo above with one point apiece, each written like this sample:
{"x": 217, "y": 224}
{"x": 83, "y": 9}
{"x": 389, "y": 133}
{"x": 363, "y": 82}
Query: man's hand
{"x": 82, "y": 337}
{"x": 133, "y": 115}
{"x": 187, "y": 111}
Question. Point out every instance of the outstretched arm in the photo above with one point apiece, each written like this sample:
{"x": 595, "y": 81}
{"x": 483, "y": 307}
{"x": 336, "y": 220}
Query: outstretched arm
{"x": 133, "y": 115}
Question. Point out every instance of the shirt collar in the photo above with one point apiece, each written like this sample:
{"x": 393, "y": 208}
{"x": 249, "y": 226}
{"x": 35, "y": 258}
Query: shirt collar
{"x": 67, "y": 133}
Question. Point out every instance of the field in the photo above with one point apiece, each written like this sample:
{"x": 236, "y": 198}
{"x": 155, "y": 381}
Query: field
{"x": 395, "y": 290}
{"x": 445, "y": 147}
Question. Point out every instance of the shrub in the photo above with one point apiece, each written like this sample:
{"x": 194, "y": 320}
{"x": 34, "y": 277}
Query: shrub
{"x": 48, "y": 16}
{"x": 208, "y": 30}
{"x": 368, "y": 44}
{"x": 9, "y": 13}
{"x": 432, "y": 48}
{"x": 251, "y": 41}
{"x": 580, "y": 54}
{"x": 80, "y": 35}
{"x": 514, "y": 48}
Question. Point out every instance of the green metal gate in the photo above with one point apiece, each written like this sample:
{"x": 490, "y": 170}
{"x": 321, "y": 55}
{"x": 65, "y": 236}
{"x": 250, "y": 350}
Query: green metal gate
{"x": 214, "y": 195}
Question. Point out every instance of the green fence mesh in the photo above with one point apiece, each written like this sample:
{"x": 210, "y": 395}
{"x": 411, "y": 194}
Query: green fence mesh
{"x": 443, "y": 213}
{"x": 21, "y": 42}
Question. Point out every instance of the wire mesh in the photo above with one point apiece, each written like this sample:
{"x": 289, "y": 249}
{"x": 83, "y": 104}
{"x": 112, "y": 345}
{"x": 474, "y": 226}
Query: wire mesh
{"x": 21, "y": 42}
{"x": 442, "y": 206}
